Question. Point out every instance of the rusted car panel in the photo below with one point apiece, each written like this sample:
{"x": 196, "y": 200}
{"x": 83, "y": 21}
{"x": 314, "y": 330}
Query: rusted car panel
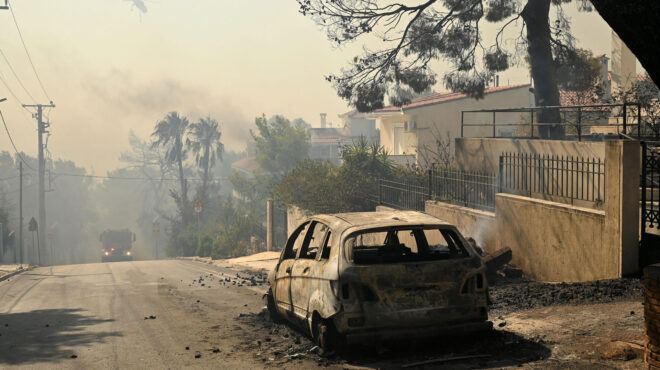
{"x": 328, "y": 272}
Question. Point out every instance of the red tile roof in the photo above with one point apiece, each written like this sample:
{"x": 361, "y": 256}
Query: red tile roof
{"x": 443, "y": 98}
{"x": 568, "y": 98}
{"x": 353, "y": 114}
{"x": 638, "y": 77}
{"x": 246, "y": 164}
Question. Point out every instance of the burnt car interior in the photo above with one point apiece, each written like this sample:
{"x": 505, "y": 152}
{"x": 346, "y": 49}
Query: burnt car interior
{"x": 395, "y": 244}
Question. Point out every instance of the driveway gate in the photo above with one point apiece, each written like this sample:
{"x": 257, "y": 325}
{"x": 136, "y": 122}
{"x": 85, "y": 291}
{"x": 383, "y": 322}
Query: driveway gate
{"x": 650, "y": 203}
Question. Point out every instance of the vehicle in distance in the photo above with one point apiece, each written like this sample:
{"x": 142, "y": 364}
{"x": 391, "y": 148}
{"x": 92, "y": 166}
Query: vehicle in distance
{"x": 117, "y": 245}
{"x": 378, "y": 275}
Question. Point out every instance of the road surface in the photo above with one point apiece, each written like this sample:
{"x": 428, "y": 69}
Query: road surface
{"x": 93, "y": 316}
{"x": 173, "y": 314}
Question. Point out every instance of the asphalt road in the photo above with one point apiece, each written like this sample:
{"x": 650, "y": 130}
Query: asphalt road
{"x": 93, "y": 316}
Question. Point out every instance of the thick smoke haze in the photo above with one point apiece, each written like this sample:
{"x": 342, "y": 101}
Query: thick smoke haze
{"x": 111, "y": 68}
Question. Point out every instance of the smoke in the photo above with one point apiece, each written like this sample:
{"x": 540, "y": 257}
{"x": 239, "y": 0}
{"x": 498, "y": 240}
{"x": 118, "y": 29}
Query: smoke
{"x": 119, "y": 101}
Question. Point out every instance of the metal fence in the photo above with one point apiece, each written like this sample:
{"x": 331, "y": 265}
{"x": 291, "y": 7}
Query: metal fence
{"x": 402, "y": 194}
{"x": 572, "y": 121}
{"x": 571, "y": 178}
{"x": 650, "y": 186}
{"x": 469, "y": 189}
{"x": 563, "y": 179}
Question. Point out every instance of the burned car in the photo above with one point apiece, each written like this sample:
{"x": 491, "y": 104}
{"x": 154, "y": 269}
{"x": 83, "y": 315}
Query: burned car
{"x": 354, "y": 276}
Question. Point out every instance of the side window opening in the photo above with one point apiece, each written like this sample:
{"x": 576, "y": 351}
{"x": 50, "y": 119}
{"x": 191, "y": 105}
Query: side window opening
{"x": 314, "y": 242}
{"x": 456, "y": 243}
{"x": 295, "y": 242}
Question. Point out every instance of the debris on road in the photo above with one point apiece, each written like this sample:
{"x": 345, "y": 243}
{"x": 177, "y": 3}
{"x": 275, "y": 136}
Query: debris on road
{"x": 510, "y": 297}
{"x": 496, "y": 260}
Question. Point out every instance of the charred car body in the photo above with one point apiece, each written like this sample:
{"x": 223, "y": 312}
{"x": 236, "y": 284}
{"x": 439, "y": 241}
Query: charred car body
{"x": 354, "y": 276}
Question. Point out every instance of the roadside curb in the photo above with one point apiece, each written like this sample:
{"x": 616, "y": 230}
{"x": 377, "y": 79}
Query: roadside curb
{"x": 14, "y": 273}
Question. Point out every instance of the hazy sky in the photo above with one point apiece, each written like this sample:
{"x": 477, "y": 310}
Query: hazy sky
{"x": 110, "y": 69}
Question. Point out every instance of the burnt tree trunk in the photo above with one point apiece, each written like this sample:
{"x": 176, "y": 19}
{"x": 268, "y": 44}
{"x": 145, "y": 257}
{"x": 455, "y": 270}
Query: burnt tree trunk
{"x": 636, "y": 23}
{"x": 544, "y": 73}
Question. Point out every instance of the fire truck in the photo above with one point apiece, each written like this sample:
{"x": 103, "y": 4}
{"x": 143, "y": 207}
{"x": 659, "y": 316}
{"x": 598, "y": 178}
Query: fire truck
{"x": 117, "y": 245}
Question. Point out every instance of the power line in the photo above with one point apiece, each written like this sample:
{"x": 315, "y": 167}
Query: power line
{"x": 11, "y": 9}
{"x": 14, "y": 145}
{"x": 16, "y": 99}
{"x": 16, "y": 76}
{"x": 4, "y": 82}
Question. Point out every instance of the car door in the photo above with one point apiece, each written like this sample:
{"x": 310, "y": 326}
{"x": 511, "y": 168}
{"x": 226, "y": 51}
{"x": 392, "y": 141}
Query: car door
{"x": 282, "y": 291}
{"x": 304, "y": 268}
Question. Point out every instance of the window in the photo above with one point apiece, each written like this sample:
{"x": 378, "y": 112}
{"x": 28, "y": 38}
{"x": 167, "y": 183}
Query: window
{"x": 404, "y": 244}
{"x": 316, "y": 240}
{"x": 444, "y": 242}
{"x": 295, "y": 242}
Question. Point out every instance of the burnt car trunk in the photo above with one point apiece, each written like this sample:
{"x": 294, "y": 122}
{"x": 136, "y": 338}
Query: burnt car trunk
{"x": 413, "y": 294}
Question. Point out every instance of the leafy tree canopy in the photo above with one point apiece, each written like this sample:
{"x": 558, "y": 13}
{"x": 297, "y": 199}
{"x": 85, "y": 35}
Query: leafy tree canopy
{"x": 321, "y": 187}
{"x": 578, "y": 70}
{"x": 647, "y": 95}
{"x": 414, "y": 34}
{"x": 280, "y": 144}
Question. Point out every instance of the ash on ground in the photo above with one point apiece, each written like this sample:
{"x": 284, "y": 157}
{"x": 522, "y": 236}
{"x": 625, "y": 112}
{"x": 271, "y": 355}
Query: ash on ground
{"x": 510, "y": 295}
{"x": 279, "y": 344}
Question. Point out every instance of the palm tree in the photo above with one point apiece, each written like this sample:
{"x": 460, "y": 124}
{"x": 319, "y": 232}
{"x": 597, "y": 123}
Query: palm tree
{"x": 169, "y": 133}
{"x": 204, "y": 141}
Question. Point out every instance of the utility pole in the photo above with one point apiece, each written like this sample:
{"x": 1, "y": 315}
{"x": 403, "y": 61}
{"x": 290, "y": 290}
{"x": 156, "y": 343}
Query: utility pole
{"x": 269, "y": 224}
{"x": 20, "y": 211}
{"x": 41, "y": 129}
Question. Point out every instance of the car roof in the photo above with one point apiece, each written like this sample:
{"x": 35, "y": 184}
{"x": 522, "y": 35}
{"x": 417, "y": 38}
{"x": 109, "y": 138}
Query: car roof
{"x": 379, "y": 219}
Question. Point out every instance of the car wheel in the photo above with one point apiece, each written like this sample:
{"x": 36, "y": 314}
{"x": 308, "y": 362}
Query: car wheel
{"x": 324, "y": 335}
{"x": 272, "y": 308}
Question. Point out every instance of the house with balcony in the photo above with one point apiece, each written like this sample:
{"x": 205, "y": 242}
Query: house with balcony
{"x": 411, "y": 132}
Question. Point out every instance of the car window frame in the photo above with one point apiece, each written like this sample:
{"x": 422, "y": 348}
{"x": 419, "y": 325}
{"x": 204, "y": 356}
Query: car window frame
{"x": 442, "y": 228}
{"x": 292, "y": 240}
{"x": 328, "y": 235}
{"x": 308, "y": 239}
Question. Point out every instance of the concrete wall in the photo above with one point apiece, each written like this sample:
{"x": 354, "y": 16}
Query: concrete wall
{"x": 477, "y": 224}
{"x": 559, "y": 242}
{"x": 555, "y": 242}
{"x": 482, "y": 154}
